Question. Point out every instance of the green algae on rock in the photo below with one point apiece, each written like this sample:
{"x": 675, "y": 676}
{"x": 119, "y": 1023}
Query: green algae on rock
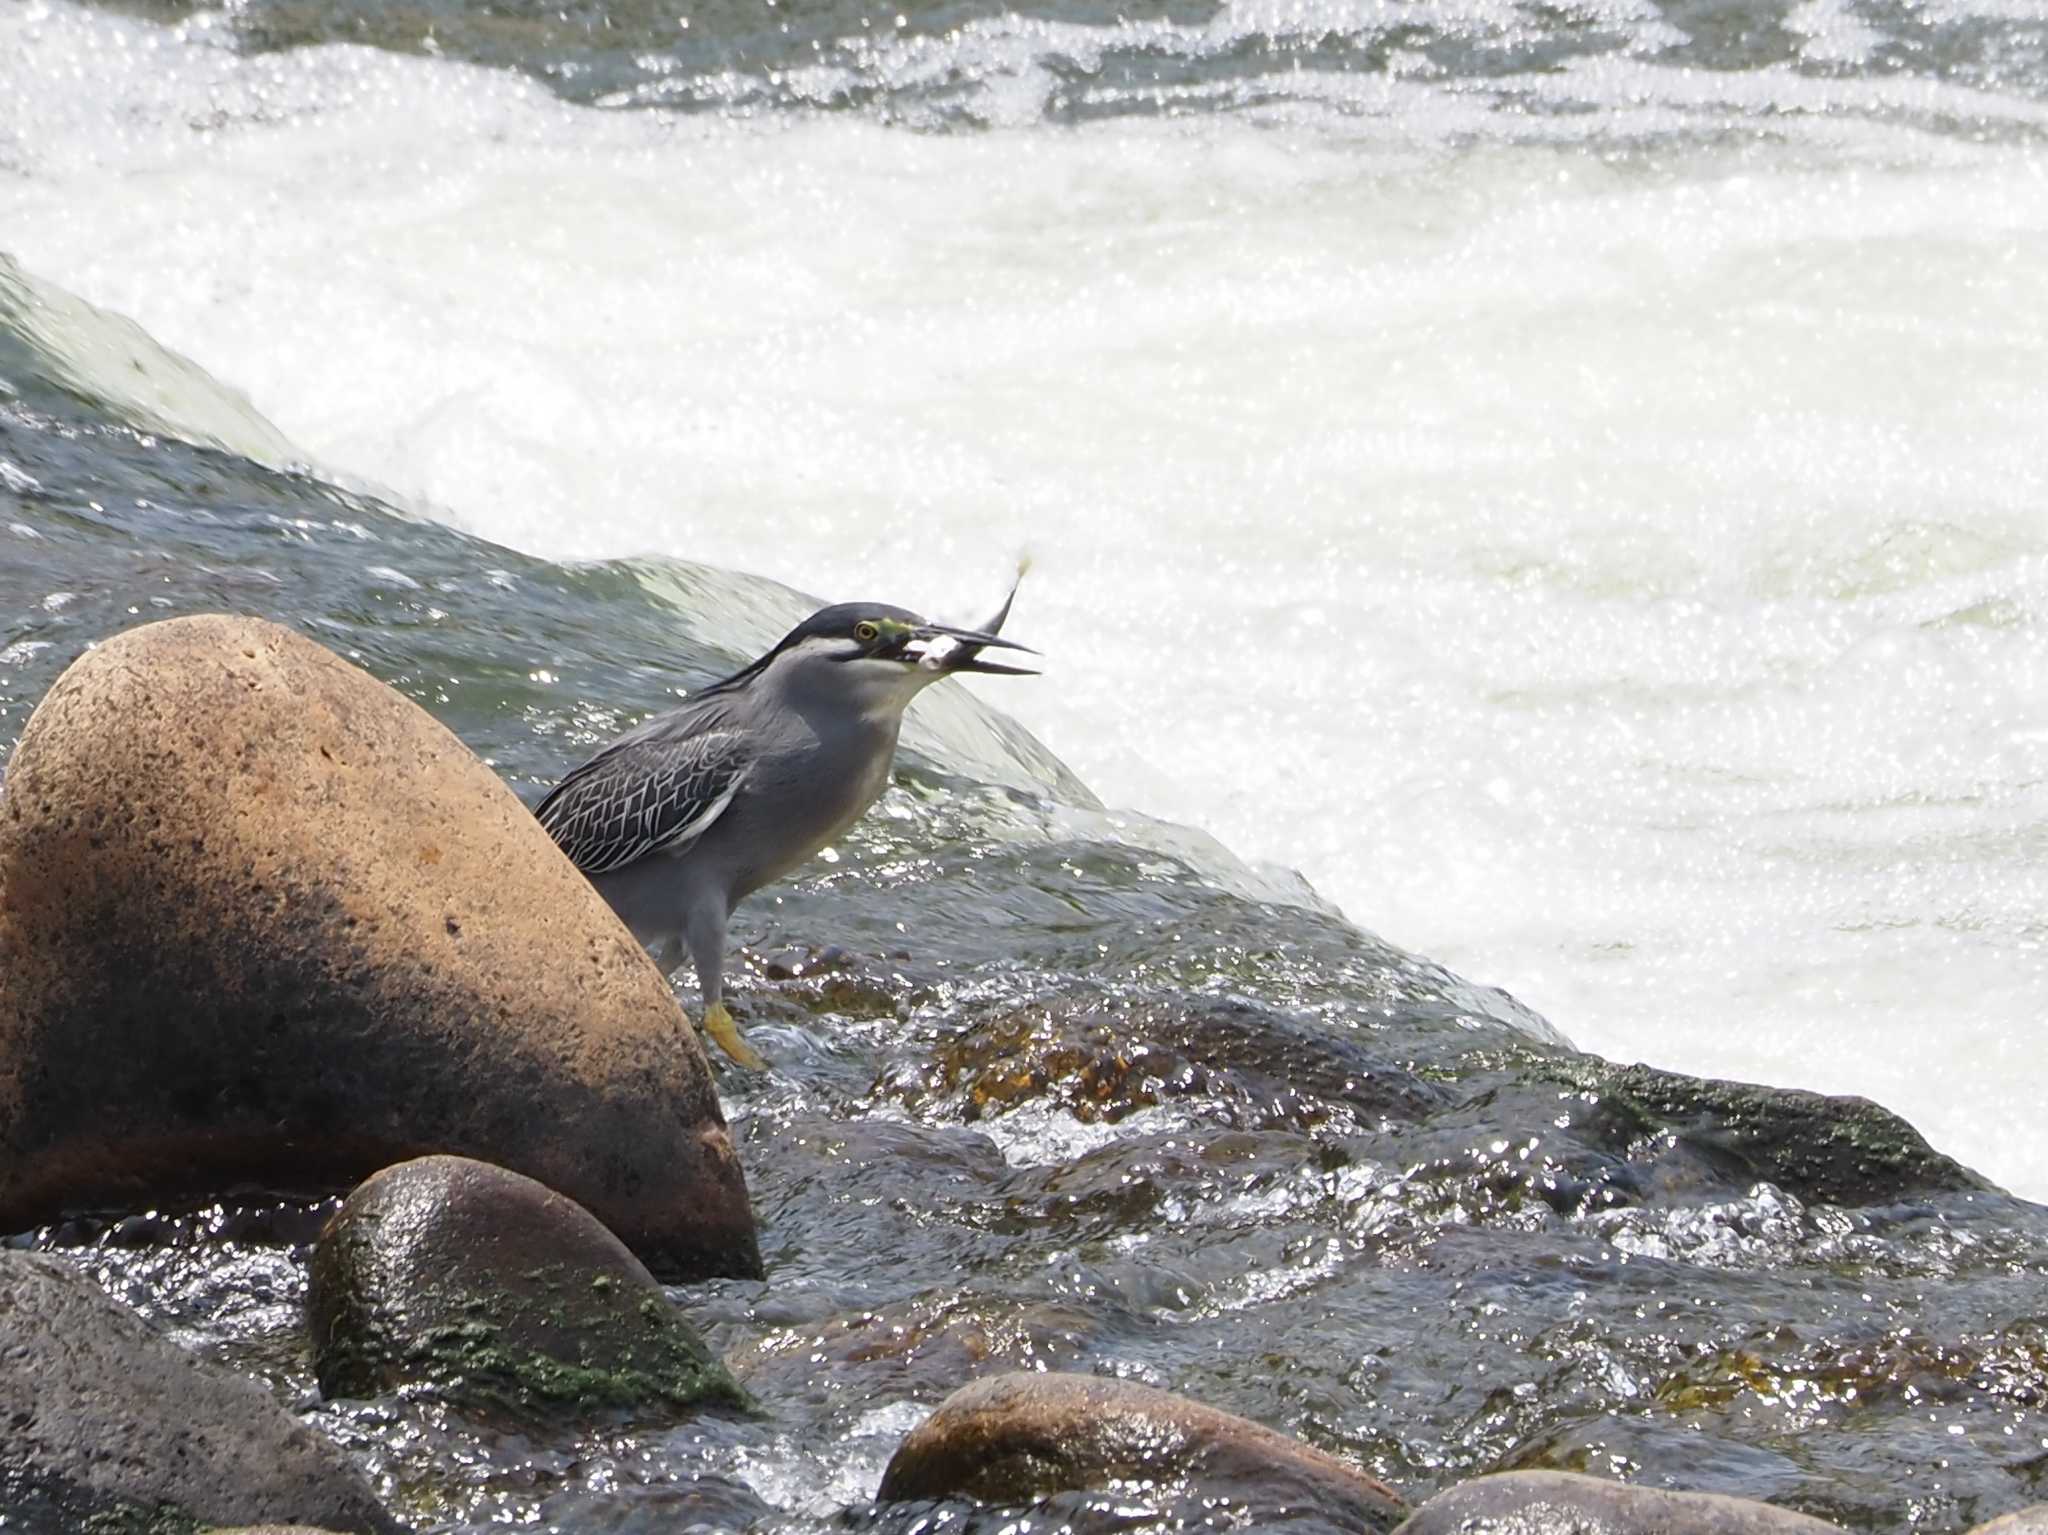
{"x": 1103, "y": 1057}
{"x": 488, "y": 1288}
{"x": 1841, "y": 1150}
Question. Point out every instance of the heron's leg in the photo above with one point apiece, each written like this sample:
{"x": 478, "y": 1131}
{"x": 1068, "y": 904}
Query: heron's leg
{"x": 707, "y": 947}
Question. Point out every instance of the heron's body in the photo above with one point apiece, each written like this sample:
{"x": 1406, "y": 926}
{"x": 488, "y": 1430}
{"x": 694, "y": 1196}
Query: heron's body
{"x": 684, "y": 816}
{"x": 777, "y": 819}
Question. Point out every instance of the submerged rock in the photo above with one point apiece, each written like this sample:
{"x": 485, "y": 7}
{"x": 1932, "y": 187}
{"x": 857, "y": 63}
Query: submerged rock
{"x": 492, "y": 1289}
{"x": 106, "y": 1425}
{"x": 1565, "y": 1503}
{"x": 913, "y": 1348}
{"x": 263, "y": 919}
{"x": 1016, "y": 1439}
{"x": 1842, "y": 1150}
{"x": 1101, "y": 1058}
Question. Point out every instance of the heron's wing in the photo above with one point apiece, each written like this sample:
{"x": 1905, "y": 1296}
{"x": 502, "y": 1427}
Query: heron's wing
{"x": 642, "y": 797}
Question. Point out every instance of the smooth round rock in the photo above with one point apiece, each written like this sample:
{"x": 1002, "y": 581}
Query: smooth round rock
{"x": 2031, "y": 1520}
{"x": 264, "y": 920}
{"x": 1565, "y": 1503}
{"x": 107, "y": 1424}
{"x": 1015, "y": 1439}
{"x": 492, "y": 1289}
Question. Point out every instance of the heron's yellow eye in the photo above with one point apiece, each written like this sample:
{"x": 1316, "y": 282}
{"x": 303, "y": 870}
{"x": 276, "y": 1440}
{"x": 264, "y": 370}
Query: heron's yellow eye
{"x": 866, "y": 632}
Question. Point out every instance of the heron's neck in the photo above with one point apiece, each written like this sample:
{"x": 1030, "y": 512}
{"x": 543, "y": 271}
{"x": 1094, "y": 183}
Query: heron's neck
{"x": 868, "y": 704}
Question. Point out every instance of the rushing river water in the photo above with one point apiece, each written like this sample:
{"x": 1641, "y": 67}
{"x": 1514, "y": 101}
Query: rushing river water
{"x": 1567, "y": 479}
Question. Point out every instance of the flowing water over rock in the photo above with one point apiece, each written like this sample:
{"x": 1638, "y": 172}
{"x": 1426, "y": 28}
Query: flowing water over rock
{"x": 1682, "y": 365}
{"x": 1564, "y": 477}
{"x": 1062, "y": 1088}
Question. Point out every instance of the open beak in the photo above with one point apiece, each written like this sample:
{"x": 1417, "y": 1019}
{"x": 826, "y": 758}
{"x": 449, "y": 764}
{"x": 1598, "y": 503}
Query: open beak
{"x": 959, "y": 650}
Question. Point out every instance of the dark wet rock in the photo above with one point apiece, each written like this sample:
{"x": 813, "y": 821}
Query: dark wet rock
{"x": 1019, "y": 1438}
{"x": 1237, "y": 1065}
{"x": 108, "y": 1426}
{"x": 494, "y": 1290}
{"x": 1841, "y": 1150}
{"x": 263, "y": 920}
{"x": 913, "y": 1349}
{"x": 1562, "y": 1503}
{"x": 935, "y": 1183}
{"x": 2032, "y": 1520}
{"x": 1529, "y": 1130}
{"x": 1905, "y": 1365}
{"x": 820, "y": 963}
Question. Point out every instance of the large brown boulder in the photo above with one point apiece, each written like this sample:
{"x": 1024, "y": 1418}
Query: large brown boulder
{"x": 107, "y": 1424}
{"x": 1017, "y": 1439}
{"x": 489, "y": 1289}
{"x": 262, "y": 919}
{"x": 1565, "y": 1503}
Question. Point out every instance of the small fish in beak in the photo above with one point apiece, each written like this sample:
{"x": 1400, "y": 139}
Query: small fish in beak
{"x": 951, "y": 653}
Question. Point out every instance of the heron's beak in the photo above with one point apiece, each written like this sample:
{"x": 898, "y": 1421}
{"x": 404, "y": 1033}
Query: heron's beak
{"x": 963, "y": 654}
{"x": 959, "y": 650}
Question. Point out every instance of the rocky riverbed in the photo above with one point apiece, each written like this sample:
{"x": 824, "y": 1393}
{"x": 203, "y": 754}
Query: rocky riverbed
{"x": 1055, "y": 1089}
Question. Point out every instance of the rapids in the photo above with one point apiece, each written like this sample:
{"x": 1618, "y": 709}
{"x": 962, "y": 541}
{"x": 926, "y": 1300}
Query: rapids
{"x": 1564, "y": 480}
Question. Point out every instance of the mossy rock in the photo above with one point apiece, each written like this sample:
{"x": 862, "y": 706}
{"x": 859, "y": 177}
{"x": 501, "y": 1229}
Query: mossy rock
{"x": 1101, "y": 1058}
{"x": 489, "y": 1289}
{"x": 1837, "y": 1150}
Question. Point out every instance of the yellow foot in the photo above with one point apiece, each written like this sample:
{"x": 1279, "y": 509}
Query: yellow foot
{"x": 719, "y": 1025}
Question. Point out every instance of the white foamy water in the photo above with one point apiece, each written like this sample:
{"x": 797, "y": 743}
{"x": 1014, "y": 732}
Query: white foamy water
{"x": 1619, "y": 576}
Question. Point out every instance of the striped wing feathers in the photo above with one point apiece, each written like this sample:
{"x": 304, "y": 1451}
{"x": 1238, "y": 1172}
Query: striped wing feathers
{"x": 643, "y": 798}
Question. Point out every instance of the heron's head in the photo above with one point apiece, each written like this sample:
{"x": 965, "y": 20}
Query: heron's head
{"x": 879, "y": 655}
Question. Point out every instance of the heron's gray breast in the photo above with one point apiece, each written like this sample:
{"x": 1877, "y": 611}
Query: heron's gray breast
{"x": 793, "y": 805}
